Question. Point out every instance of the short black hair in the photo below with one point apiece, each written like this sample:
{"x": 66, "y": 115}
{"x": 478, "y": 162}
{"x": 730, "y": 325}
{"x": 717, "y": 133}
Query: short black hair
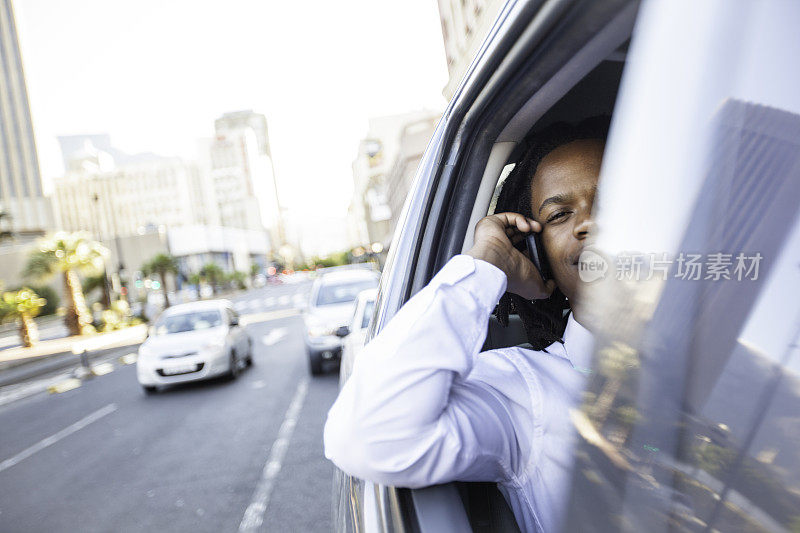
{"x": 544, "y": 320}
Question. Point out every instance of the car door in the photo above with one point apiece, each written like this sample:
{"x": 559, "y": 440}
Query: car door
{"x": 535, "y": 48}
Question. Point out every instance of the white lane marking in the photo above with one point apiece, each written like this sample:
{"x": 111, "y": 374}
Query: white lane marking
{"x": 283, "y": 300}
{"x": 253, "y": 304}
{"x": 254, "y": 515}
{"x": 269, "y": 302}
{"x": 52, "y": 439}
{"x": 239, "y": 306}
{"x": 274, "y": 336}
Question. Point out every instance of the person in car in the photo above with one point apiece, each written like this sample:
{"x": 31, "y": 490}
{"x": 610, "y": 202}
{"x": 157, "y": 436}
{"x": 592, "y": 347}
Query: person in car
{"x": 424, "y": 407}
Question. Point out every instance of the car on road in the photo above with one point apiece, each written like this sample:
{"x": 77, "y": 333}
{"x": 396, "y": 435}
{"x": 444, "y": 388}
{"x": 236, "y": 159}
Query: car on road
{"x": 330, "y": 306}
{"x": 689, "y": 419}
{"x": 191, "y": 342}
{"x": 354, "y": 334}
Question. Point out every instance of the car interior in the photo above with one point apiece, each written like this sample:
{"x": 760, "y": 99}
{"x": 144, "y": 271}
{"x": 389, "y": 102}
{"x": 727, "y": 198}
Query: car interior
{"x": 585, "y": 85}
{"x": 593, "y": 95}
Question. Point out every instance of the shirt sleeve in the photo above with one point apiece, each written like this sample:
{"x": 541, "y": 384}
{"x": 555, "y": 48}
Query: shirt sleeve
{"x": 407, "y": 416}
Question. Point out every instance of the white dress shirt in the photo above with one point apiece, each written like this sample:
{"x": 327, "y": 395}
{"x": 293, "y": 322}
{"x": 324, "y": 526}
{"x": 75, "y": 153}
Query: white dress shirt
{"x": 424, "y": 407}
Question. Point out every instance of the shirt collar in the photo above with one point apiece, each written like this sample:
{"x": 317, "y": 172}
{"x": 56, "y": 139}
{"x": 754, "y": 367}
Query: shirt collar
{"x": 577, "y": 347}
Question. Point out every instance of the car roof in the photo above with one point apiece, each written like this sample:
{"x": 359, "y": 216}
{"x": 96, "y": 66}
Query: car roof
{"x": 368, "y": 294}
{"x": 369, "y": 267}
{"x": 340, "y": 276}
{"x": 200, "y": 305}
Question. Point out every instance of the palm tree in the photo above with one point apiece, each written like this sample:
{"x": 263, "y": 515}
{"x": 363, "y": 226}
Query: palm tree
{"x": 212, "y": 273}
{"x": 67, "y": 254}
{"x": 5, "y": 232}
{"x": 161, "y": 264}
{"x": 22, "y": 305}
{"x": 92, "y": 283}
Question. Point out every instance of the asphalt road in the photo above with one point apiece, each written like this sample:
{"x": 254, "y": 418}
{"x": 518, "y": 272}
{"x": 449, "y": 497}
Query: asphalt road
{"x": 105, "y": 457}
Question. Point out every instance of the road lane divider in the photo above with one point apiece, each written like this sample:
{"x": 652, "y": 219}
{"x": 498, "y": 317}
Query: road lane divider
{"x": 64, "y": 386}
{"x": 52, "y": 439}
{"x": 254, "y": 515}
{"x": 102, "y": 369}
{"x": 128, "y": 358}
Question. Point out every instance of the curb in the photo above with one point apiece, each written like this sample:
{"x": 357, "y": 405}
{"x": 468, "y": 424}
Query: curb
{"x": 52, "y": 363}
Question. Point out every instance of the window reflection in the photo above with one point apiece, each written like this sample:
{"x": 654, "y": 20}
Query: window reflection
{"x": 686, "y": 424}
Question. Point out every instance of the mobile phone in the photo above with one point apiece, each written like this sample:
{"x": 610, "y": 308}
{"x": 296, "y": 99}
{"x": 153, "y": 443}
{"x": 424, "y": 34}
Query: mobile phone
{"x": 537, "y": 255}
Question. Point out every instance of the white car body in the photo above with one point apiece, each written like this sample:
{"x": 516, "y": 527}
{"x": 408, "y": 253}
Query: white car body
{"x": 323, "y": 317}
{"x": 353, "y": 342}
{"x": 169, "y": 358}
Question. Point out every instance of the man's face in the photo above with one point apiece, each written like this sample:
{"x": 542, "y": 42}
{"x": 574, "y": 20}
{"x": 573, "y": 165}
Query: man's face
{"x": 562, "y": 194}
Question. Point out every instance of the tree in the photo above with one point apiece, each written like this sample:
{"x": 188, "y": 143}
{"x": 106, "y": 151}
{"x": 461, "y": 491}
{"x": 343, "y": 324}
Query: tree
{"x": 213, "y": 274}
{"x": 92, "y": 283}
{"x": 5, "y": 233}
{"x": 67, "y": 254}
{"x": 237, "y": 278}
{"x": 53, "y": 300}
{"x": 22, "y": 305}
{"x": 255, "y": 270}
{"x": 161, "y": 265}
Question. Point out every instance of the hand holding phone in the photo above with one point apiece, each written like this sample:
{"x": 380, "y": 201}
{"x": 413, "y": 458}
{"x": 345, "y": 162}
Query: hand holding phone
{"x": 498, "y": 240}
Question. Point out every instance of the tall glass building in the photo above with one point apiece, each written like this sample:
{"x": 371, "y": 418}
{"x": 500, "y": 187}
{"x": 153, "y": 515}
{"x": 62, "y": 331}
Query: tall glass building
{"x": 21, "y": 193}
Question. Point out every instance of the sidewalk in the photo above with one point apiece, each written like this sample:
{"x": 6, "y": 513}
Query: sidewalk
{"x": 19, "y": 364}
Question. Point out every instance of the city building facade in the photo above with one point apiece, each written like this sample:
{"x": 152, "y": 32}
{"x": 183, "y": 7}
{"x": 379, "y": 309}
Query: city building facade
{"x": 414, "y": 139}
{"x": 243, "y": 175}
{"x": 465, "y": 23}
{"x": 21, "y": 195}
{"x": 153, "y": 205}
{"x": 108, "y": 201}
{"x": 382, "y": 173}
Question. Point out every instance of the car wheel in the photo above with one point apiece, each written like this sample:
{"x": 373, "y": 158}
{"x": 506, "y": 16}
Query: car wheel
{"x": 149, "y": 389}
{"x": 315, "y": 363}
{"x": 249, "y": 359}
{"x": 233, "y": 371}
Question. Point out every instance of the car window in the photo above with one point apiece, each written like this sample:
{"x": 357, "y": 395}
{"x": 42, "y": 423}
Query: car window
{"x": 193, "y": 321}
{"x": 343, "y": 292}
{"x": 366, "y": 316}
{"x": 690, "y": 414}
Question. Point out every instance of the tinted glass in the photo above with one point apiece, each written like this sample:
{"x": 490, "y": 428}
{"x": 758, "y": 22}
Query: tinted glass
{"x": 181, "y": 323}
{"x": 691, "y": 416}
{"x": 369, "y": 308}
{"x": 341, "y": 293}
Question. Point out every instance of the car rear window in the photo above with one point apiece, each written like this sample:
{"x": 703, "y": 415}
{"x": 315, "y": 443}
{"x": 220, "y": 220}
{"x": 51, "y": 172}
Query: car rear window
{"x": 344, "y": 292}
{"x": 369, "y": 309}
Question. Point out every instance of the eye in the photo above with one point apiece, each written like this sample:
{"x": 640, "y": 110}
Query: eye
{"x": 556, "y": 216}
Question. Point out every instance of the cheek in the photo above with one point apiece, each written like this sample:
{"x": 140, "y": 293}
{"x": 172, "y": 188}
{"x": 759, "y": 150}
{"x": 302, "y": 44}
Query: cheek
{"x": 554, "y": 243}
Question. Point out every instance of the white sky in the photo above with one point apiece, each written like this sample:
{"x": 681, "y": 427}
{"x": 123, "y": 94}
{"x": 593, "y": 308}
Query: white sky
{"x": 155, "y": 75}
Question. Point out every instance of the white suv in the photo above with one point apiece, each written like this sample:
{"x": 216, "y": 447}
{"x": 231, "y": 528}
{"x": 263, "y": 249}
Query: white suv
{"x": 330, "y": 307}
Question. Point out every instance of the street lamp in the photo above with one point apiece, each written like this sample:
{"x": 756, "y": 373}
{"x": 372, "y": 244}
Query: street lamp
{"x": 121, "y": 272}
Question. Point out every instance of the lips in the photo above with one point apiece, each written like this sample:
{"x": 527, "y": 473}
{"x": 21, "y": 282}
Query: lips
{"x": 576, "y": 257}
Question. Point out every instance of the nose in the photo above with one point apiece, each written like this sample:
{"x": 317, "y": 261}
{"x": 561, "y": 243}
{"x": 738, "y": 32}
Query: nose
{"x": 585, "y": 227}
